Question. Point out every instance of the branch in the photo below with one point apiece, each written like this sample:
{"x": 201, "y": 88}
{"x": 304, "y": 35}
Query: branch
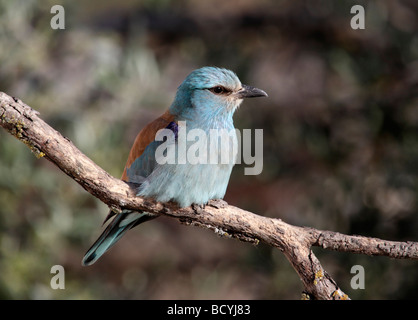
{"x": 295, "y": 242}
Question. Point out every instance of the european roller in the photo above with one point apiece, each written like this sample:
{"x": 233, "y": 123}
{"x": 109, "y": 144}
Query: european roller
{"x": 206, "y": 100}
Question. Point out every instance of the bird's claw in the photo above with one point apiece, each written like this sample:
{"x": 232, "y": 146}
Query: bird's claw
{"x": 198, "y": 208}
{"x": 218, "y": 203}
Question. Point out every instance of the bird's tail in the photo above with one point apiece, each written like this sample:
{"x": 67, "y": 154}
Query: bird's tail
{"x": 114, "y": 231}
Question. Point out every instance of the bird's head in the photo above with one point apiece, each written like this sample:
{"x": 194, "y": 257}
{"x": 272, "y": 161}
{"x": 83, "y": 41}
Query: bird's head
{"x": 212, "y": 90}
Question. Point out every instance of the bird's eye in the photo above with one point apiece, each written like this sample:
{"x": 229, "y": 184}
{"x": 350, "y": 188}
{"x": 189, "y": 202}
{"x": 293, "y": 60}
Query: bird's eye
{"x": 219, "y": 90}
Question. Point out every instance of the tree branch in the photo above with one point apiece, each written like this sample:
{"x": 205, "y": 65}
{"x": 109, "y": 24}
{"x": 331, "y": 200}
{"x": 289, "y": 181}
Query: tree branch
{"x": 295, "y": 242}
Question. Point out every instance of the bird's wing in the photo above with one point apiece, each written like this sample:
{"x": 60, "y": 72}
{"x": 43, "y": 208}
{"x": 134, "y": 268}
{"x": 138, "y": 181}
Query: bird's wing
{"x": 141, "y": 160}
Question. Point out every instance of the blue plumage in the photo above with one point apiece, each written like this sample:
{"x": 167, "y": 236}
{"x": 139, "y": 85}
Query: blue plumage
{"x": 205, "y": 103}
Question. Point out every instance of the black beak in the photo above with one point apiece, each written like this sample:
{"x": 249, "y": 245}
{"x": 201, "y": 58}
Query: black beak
{"x": 250, "y": 92}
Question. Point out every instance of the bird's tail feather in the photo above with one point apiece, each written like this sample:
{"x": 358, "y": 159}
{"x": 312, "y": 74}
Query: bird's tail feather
{"x": 114, "y": 231}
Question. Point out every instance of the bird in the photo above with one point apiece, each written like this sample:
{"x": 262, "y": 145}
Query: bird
{"x": 206, "y": 100}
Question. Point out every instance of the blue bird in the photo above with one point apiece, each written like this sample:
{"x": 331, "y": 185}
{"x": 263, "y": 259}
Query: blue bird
{"x": 205, "y": 102}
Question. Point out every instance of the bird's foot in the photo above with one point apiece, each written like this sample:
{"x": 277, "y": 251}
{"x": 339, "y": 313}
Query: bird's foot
{"x": 218, "y": 203}
{"x": 198, "y": 208}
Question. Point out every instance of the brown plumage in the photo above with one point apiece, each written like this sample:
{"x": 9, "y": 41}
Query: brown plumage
{"x": 144, "y": 138}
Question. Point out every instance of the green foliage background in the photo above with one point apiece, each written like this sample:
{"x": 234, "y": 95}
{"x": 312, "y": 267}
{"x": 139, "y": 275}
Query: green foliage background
{"x": 340, "y": 140}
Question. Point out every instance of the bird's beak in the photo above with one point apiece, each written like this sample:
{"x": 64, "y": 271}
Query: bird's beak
{"x": 250, "y": 92}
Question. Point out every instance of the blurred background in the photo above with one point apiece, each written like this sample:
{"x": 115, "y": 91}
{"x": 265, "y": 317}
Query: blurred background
{"x": 340, "y": 141}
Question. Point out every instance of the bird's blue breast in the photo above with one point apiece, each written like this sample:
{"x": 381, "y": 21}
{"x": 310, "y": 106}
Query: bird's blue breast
{"x": 181, "y": 181}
